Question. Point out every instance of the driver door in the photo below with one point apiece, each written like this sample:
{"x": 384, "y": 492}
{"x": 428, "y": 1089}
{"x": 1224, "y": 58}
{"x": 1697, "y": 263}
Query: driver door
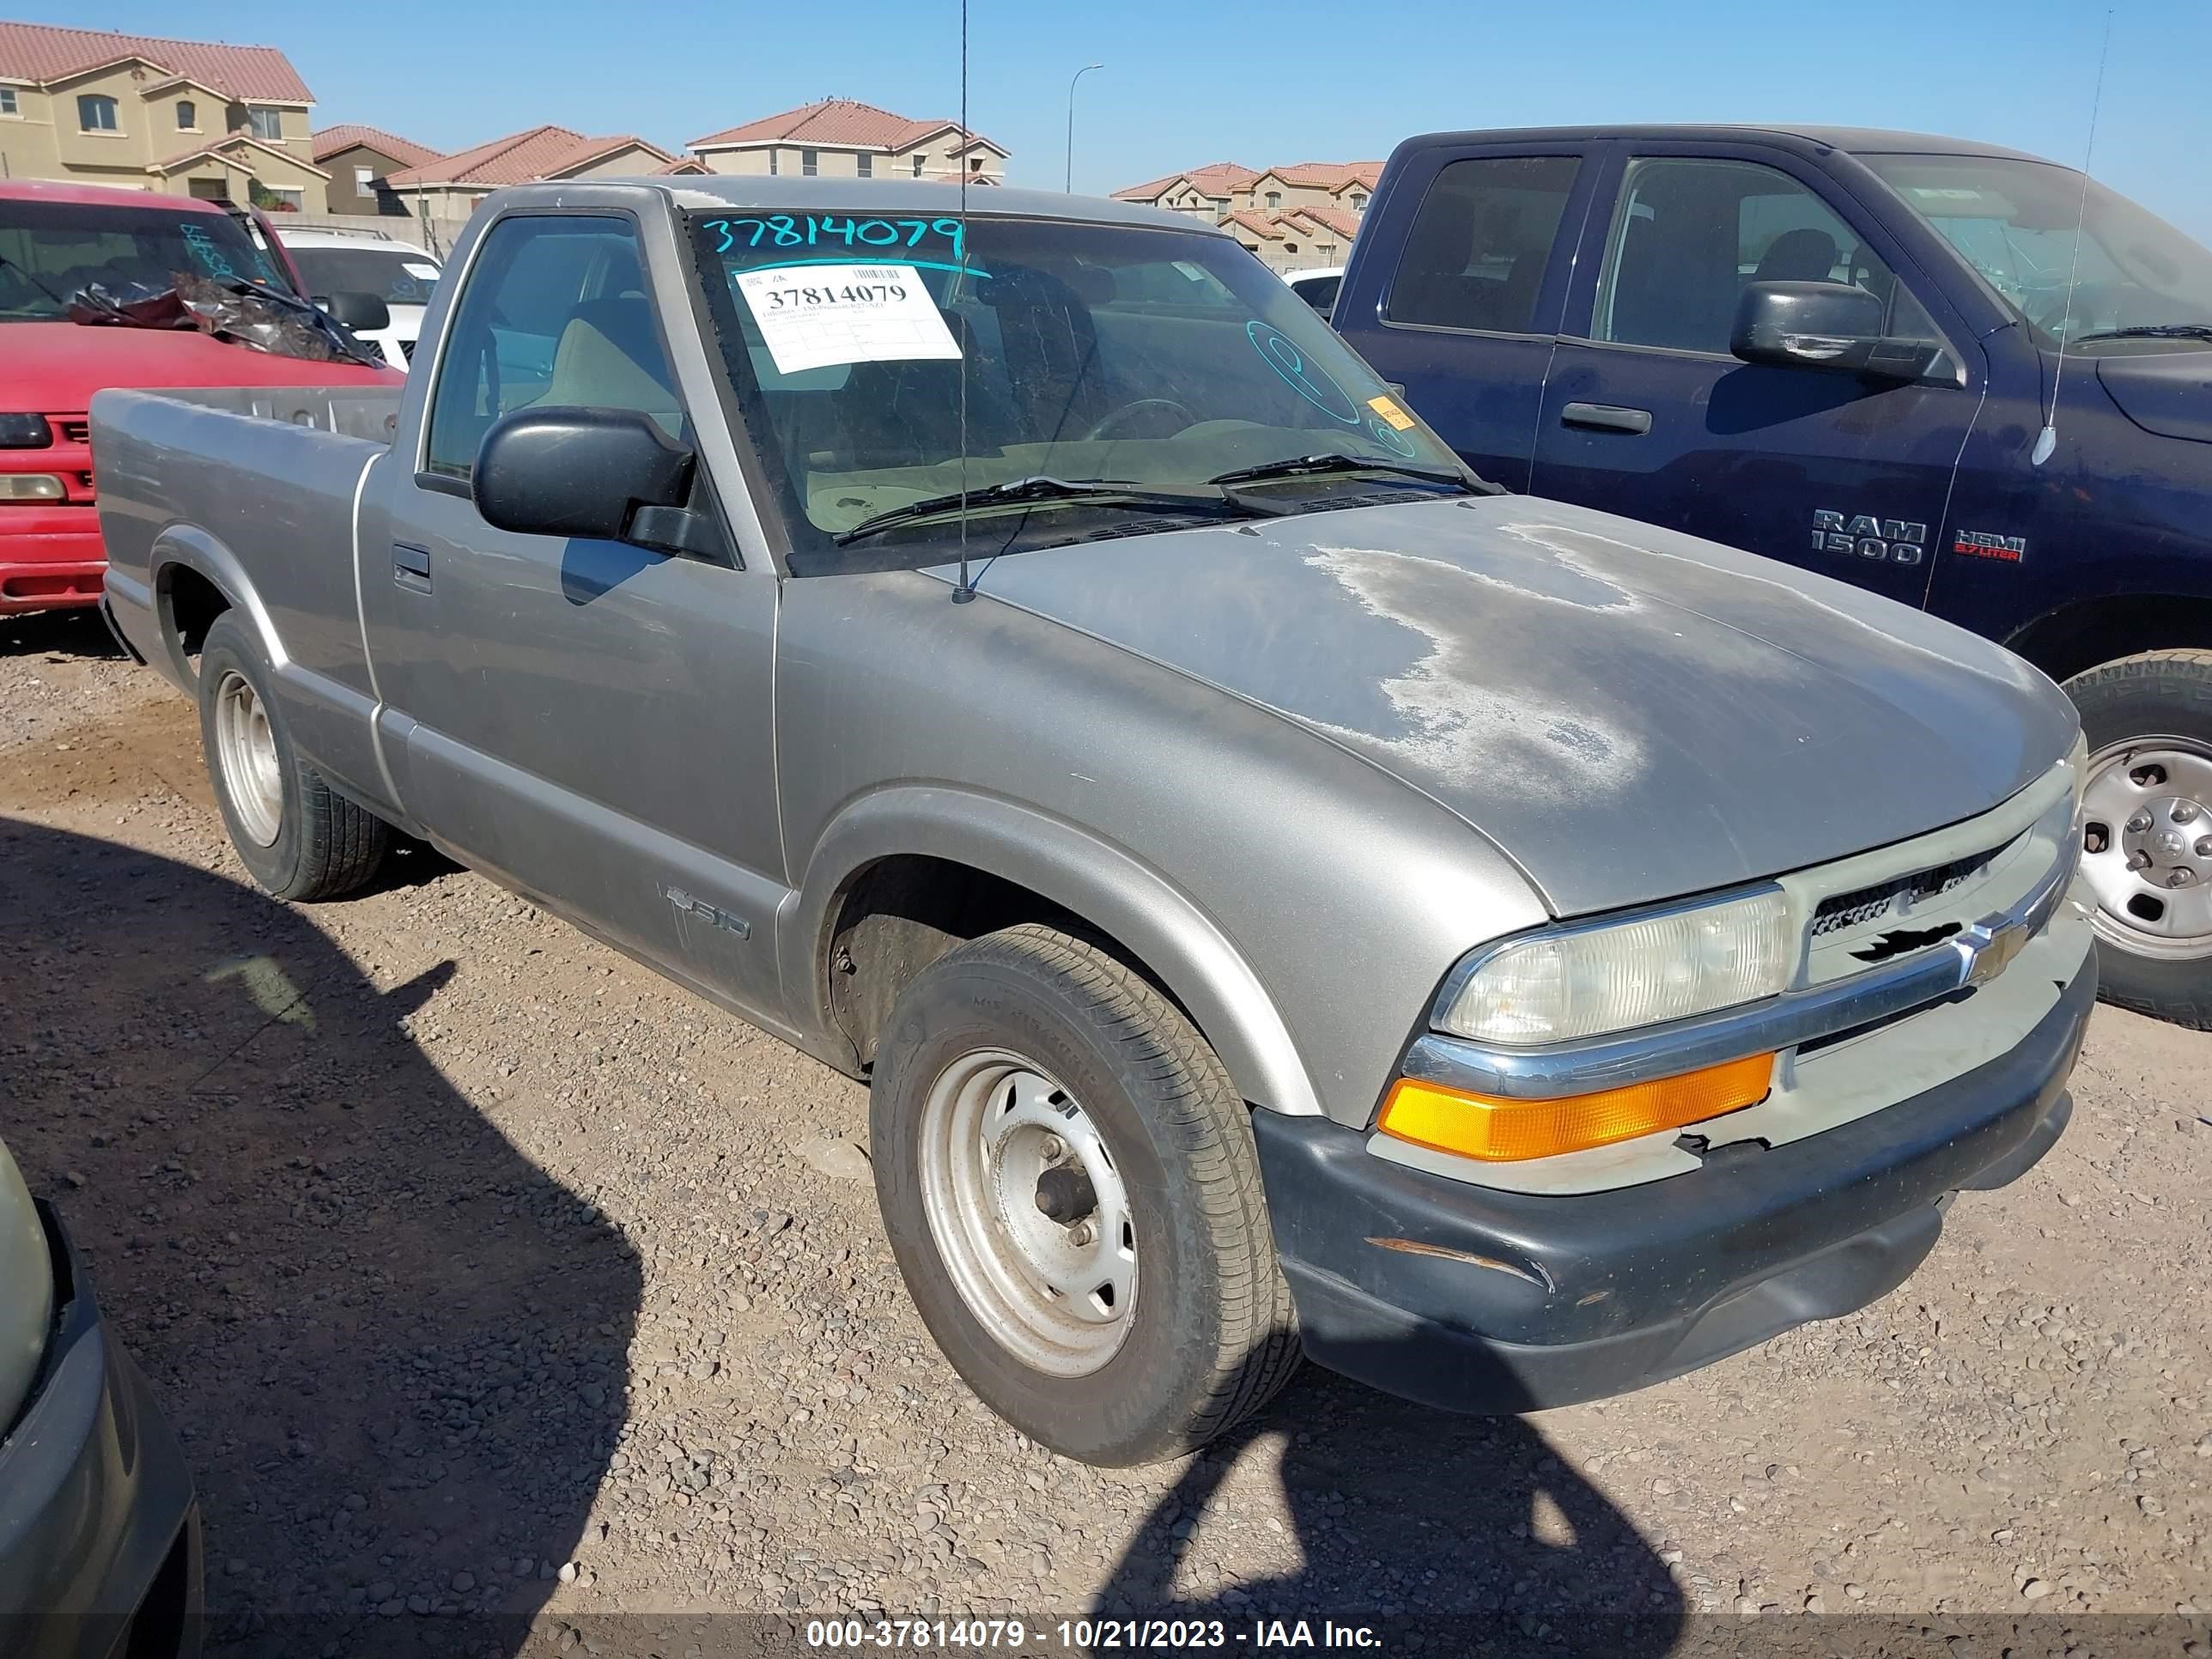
{"x": 591, "y": 720}
{"x": 1645, "y": 412}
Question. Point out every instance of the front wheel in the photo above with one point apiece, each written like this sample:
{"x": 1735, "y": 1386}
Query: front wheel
{"x": 1070, "y": 1186}
{"x": 2147, "y": 830}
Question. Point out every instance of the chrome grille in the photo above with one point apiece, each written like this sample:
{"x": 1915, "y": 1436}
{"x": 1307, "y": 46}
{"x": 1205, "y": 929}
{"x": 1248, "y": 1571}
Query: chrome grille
{"x": 1854, "y": 910}
{"x": 407, "y": 349}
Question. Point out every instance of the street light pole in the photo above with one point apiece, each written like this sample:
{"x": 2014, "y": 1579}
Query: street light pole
{"x": 1068, "y": 183}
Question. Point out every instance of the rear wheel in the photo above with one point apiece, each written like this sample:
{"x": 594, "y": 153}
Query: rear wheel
{"x": 296, "y": 835}
{"x": 2147, "y": 830}
{"x": 1070, "y": 1186}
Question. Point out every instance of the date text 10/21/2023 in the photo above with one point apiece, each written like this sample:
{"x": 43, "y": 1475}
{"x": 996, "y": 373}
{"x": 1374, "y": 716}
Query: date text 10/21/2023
{"x": 1012, "y": 1635}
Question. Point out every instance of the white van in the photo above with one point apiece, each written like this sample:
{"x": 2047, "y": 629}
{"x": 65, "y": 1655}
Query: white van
{"x": 369, "y": 261}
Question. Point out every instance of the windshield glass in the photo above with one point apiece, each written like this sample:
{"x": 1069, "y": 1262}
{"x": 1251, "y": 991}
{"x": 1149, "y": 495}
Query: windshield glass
{"x": 2014, "y": 222}
{"x": 398, "y": 277}
{"x": 49, "y": 250}
{"x": 1161, "y": 357}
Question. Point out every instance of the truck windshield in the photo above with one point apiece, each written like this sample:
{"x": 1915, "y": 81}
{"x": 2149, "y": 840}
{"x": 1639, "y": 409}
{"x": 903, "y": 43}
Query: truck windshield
{"x": 398, "y": 277}
{"x": 2013, "y": 221}
{"x": 1156, "y": 358}
{"x": 50, "y": 250}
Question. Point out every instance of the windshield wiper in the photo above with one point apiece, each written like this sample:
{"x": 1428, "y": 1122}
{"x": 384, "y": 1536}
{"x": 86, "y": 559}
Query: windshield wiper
{"x": 31, "y": 277}
{"x": 2151, "y": 332}
{"x": 1208, "y": 498}
{"x": 1337, "y": 461}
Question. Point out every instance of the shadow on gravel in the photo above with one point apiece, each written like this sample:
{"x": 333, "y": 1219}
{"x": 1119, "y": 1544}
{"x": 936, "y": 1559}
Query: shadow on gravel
{"x": 394, "y": 1348}
{"x": 75, "y": 633}
{"x": 1447, "y": 1535}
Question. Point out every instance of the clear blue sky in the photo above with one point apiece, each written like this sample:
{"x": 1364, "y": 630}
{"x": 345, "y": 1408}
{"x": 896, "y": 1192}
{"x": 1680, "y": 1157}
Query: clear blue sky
{"x": 1294, "y": 80}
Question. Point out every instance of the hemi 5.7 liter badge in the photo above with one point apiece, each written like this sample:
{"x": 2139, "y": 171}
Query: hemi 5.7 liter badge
{"x": 1981, "y": 544}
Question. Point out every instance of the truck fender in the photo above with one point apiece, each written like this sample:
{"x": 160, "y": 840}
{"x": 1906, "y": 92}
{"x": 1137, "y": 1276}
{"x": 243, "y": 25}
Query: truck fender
{"x": 193, "y": 548}
{"x": 1095, "y": 880}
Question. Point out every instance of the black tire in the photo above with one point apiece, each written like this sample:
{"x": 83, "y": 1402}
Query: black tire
{"x": 325, "y": 845}
{"x": 1211, "y": 1335}
{"x": 2162, "y": 694}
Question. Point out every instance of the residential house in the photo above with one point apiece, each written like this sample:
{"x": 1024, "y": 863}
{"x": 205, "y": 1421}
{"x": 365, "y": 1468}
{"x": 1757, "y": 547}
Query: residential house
{"x": 448, "y": 188}
{"x": 1295, "y": 239}
{"x": 359, "y": 159}
{"x": 1211, "y": 192}
{"x": 1294, "y": 217}
{"x": 841, "y": 138}
{"x": 185, "y": 118}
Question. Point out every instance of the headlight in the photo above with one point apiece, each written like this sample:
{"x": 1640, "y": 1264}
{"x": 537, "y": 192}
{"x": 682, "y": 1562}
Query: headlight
{"x": 25, "y": 432}
{"x": 1584, "y": 983}
{"x": 30, "y": 487}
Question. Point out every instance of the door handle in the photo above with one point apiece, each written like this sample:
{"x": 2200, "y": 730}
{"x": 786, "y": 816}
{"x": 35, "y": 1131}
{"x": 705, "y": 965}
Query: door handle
{"x": 1607, "y": 417}
{"x": 410, "y": 567}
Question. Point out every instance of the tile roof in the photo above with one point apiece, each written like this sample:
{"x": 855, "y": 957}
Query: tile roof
{"x": 43, "y": 52}
{"x": 1330, "y": 175}
{"x": 1214, "y": 178}
{"x": 1343, "y": 220}
{"x": 543, "y": 152}
{"x": 329, "y": 140}
{"x": 215, "y": 147}
{"x": 1260, "y": 224}
{"x": 836, "y": 121}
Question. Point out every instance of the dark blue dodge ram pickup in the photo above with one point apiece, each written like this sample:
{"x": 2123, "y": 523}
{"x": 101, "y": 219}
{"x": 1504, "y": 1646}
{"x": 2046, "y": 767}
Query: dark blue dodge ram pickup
{"x": 1841, "y": 348}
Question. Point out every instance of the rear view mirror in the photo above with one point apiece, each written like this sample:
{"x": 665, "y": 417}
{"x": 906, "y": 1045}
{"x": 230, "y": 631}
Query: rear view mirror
{"x": 1824, "y": 325}
{"x": 601, "y": 474}
{"x": 361, "y": 312}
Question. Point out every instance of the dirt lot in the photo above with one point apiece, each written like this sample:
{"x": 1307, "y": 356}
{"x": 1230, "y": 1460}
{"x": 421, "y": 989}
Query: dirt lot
{"x": 485, "y": 1273}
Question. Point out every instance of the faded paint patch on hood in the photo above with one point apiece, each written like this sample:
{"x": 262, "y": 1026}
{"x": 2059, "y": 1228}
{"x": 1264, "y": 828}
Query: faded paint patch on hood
{"x": 1630, "y": 714}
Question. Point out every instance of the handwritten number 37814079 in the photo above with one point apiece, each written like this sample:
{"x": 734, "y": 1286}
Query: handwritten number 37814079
{"x": 809, "y": 230}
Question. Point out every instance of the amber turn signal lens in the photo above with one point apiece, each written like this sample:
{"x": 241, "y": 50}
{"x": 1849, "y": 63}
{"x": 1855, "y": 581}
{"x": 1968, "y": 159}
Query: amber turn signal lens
{"x": 1498, "y": 1131}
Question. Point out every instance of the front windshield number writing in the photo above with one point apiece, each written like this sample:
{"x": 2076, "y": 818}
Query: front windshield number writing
{"x": 810, "y": 230}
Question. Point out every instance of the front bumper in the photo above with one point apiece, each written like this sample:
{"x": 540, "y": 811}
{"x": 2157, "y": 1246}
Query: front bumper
{"x": 50, "y": 556}
{"x": 1477, "y": 1299}
{"x": 99, "y": 1530}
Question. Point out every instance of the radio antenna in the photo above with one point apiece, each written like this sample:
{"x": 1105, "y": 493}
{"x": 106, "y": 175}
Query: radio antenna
{"x": 966, "y": 591}
{"x": 2047, "y": 440}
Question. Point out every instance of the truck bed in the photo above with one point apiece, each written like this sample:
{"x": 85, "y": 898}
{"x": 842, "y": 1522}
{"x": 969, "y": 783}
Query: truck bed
{"x": 265, "y": 479}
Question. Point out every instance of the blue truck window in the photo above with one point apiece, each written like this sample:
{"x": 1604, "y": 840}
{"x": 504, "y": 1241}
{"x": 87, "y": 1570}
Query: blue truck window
{"x": 1691, "y": 233}
{"x": 1477, "y": 251}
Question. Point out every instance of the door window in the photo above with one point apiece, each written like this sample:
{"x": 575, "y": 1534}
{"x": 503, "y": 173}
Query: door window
{"x": 1480, "y": 244}
{"x": 1690, "y": 235}
{"x": 554, "y": 313}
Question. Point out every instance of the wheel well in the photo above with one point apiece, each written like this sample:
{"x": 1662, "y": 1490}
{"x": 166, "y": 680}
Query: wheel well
{"x": 2081, "y": 636}
{"x": 190, "y": 604}
{"x": 900, "y": 913}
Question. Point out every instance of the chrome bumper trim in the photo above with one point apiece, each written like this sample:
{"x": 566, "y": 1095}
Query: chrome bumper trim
{"x": 1974, "y": 956}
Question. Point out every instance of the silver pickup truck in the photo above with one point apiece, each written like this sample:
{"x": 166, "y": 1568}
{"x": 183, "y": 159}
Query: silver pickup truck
{"x": 1283, "y": 893}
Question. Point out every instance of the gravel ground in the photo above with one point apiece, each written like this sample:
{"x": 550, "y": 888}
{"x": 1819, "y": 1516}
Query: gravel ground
{"x": 485, "y": 1273}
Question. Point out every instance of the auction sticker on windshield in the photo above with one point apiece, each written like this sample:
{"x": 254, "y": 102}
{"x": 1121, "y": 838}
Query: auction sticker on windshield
{"x": 818, "y": 316}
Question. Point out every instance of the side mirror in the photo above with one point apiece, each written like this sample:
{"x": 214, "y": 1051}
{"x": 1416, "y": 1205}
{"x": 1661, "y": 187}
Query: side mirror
{"x": 602, "y": 474}
{"x": 1825, "y": 325}
{"x": 359, "y": 312}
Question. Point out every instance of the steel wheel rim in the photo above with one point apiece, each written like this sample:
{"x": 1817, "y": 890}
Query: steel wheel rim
{"x": 2147, "y": 845}
{"x": 246, "y": 749}
{"x": 1055, "y": 1287}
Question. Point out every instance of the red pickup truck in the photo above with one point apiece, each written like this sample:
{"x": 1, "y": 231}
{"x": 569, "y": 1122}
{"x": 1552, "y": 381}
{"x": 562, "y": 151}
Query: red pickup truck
{"x": 56, "y": 239}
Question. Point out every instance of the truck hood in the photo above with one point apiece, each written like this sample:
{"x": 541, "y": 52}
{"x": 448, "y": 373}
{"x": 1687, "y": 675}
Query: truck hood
{"x": 2168, "y": 392}
{"x": 1630, "y": 713}
{"x": 55, "y": 367}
